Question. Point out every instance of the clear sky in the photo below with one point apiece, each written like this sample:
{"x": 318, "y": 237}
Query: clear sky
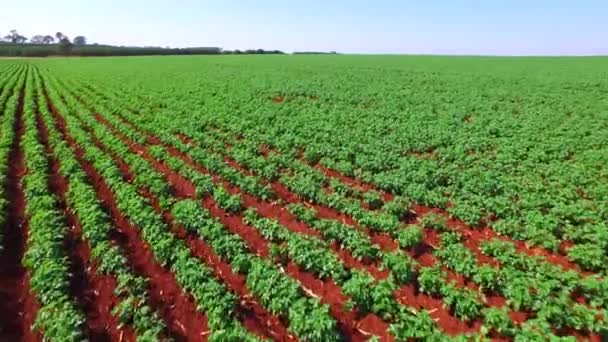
{"x": 492, "y": 27}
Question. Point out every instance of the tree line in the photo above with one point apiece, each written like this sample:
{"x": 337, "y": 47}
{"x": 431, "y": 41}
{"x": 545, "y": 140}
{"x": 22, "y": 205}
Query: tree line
{"x": 17, "y": 45}
{"x": 15, "y": 38}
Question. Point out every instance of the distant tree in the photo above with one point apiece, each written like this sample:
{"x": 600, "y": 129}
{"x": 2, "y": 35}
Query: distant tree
{"x": 237, "y": 52}
{"x": 15, "y": 38}
{"x": 48, "y": 39}
{"x": 65, "y": 46}
{"x": 80, "y": 40}
{"x": 37, "y": 39}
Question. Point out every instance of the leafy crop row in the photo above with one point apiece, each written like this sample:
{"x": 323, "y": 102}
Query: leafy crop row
{"x": 96, "y": 226}
{"x": 589, "y": 321}
{"x": 58, "y": 316}
{"x": 195, "y": 277}
{"x": 495, "y": 146}
{"x": 8, "y": 107}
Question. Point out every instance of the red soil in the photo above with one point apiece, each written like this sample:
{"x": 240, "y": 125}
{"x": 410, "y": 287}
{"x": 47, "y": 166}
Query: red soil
{"x": 254, "y": 317}
{"x": 422, "y": 253}
{"x": 326, "y": 290}
{"x": 277, "y": 211}
{"x": 407, "y": 294}
{"x": 94, "y": 291}
{"x": 177, "y": 308}
{"x": 17, "y": 304}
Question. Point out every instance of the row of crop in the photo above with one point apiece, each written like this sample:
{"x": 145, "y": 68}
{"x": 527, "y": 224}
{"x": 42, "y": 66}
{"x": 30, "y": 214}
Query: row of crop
{"x": 528, "y": 209}
{"x": 521, "y": 294}
{"x": 8, "y": 106}
{"x": 8, "y": 73}
{"x": 5, "y": 81}
{"x": 569, "y": 279}
{"x": 307, "y": 317}
{"x": 58, "y": 316}
{"x": 247, "y": 153}
{"x": 131, "y": 289}
{"x": 310, "y": 254}
{"x": 465, "y": 303}
{"x": 396, "y": 261}
{"x": 550, "y": 228}
{"x": 213, "y": 162}
{"x": 463, "y": 300}
{"x": 137, "y": 170}
{"x": 587, "y": 256}
{"x": 581, "y": 316}
{"x": 589, "y": 235}
{"x": 212, "y": 297}
{"x": 205, "y": 187}
{"x": 365, "y": 292}
{"x": 207, "y": 133}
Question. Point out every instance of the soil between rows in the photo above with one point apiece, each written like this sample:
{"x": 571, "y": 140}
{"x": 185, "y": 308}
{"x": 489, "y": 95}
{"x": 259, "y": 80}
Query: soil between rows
{"x": 476, "y": 235}
{"x": 251, "y": 313}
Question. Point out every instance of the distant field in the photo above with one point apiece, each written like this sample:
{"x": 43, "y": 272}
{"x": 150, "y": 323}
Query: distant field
{"x": 312, "y": 198}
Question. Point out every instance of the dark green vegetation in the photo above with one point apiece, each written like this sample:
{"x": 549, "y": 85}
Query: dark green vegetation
{"x": 45, "y": 50}
{"x": 328, "y": 197}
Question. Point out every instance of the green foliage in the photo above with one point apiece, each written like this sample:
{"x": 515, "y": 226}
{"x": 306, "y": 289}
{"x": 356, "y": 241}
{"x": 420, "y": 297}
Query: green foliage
{"x": 410, "y": 236}
{"x": 488, "y": 149}
{"x": 434, "y": 221}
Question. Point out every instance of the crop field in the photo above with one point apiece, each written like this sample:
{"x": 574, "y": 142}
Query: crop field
{"x": 304, "y": 198}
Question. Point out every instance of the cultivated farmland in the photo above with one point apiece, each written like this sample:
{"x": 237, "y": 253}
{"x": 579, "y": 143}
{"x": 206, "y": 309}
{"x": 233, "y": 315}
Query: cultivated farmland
{"x": 311, "y": 198}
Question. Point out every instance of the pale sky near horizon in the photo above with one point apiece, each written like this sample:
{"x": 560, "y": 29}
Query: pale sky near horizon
{"x": 486, "y": 27}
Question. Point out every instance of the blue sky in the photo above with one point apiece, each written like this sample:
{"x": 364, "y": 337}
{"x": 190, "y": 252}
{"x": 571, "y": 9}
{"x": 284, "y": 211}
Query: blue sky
{"x": 491, "y": 27}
